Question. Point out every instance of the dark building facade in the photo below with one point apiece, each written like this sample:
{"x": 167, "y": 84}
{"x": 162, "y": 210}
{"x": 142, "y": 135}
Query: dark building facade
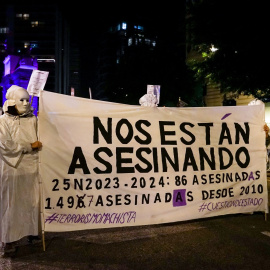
{"x": 119, "y": 47}
{"x": 40, "y": 36}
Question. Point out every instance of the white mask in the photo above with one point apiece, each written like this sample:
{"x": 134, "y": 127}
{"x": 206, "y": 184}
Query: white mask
{"x": 21, "y": 98}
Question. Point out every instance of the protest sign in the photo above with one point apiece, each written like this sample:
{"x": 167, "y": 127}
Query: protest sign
{"x": 37, "y": 82}
{"x": 107, "y": 165}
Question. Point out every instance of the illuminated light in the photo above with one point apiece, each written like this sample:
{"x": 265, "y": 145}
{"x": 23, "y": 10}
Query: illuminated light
{"x": 46, "y": 60}
{"x": 124, "y": 26}
{"x": 34, "y": 24}
{"x": 33, "y": 45}
{"x": 267, "y": 113}
{"x": 25, "y": 16}
{"x": 213, "y": 48}
{"x": 4, "y": 30}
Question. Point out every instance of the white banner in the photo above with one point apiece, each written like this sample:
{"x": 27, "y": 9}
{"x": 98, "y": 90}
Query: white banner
{"x": 107, "y": 165}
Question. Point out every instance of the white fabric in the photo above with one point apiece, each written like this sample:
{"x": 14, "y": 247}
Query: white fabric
{"x": 19, "y": 184}
{"x": 95, "y": 155}
{"x": 255, "y": 102}
{"x": 18, "y": 93}
{"x": 8, "y": 103}
{"x": 148, "y": 100}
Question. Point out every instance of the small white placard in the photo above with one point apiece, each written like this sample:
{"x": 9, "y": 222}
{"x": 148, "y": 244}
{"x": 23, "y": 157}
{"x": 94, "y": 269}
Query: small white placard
{"x": 37, "y": 82}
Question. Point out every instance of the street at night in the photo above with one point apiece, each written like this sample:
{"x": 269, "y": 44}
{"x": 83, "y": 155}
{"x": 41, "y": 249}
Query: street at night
{"x": 240, "y": 241}
{"x": 134, "y": 137}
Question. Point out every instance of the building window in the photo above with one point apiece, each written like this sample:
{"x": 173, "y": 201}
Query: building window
{"x": 129, "y": 41}
{"x": 33, "y": 45}
{"x": 138, "y": 27}
{"x": 34, "y": 24}
{"x": 23, "y": 16}
{"x": 37, "y": 23}
{"x": 124, "y": 26}
{"x": 3, "y": 30}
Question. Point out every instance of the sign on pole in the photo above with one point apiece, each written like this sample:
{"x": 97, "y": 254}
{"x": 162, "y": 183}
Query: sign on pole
{"x": 37, "y": 82}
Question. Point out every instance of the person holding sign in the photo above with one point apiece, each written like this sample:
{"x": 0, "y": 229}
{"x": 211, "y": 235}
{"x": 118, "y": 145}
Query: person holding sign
{"x": 149, "y": 99}
{"x": 19, "y": 184}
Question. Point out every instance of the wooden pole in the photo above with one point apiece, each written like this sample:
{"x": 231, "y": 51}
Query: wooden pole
{"x": 32, "y": 97}
{"x": 41, "y": 193}
{"x": 43, "y": 240}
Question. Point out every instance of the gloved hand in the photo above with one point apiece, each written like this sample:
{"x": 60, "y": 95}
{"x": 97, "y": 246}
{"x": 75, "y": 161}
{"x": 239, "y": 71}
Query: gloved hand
{"x": 36, "y": 145}
{"x": 266, "y": 129}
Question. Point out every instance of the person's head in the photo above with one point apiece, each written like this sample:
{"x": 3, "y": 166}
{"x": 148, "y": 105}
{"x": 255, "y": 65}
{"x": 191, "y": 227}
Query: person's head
{"x": 18, "y": 97}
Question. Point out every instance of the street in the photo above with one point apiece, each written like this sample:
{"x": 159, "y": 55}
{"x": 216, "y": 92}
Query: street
{"x": 240, "y": 241}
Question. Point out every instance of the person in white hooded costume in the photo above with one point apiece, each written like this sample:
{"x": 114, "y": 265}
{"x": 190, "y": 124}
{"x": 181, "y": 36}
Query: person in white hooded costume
{"x": 19, "y": 184}
{"x": 149, "y": 99}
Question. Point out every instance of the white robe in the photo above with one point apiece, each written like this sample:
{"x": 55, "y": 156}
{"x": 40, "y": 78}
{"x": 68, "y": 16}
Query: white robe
{"x": 148, "y": 100}
{"x": 19, "y": 182}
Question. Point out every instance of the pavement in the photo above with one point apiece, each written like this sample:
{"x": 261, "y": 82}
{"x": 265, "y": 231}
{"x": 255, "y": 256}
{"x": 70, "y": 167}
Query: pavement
{"x": 239, "y": 241}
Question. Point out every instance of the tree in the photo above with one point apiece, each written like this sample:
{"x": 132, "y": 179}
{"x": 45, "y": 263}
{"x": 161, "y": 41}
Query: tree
{"x": 239, "y": 31}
